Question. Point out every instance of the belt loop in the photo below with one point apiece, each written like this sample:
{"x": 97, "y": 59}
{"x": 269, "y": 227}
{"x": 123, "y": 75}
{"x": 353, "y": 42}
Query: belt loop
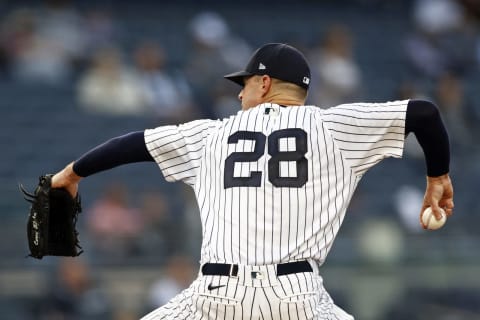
{"x": 233, "y": 273}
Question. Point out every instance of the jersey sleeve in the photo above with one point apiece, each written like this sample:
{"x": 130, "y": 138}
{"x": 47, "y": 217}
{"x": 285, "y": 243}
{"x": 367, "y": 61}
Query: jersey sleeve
{"x": 366, "y": 133}
{"x": 177, "y": 149}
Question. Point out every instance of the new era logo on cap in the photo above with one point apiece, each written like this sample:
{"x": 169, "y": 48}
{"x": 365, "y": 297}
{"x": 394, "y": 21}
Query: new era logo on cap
{"x": 306, "y": 80}
{"x": 261, "y": 66}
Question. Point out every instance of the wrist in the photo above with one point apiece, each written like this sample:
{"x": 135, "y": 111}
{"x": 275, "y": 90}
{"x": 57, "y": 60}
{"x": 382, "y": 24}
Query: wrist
{"x": 70, "y": 175}
{"x": 437, "y": 176}
{"x": 438, "y": 179}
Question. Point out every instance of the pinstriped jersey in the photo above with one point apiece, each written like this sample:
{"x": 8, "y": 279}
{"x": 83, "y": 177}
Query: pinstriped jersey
{"x": 273, "y": 183}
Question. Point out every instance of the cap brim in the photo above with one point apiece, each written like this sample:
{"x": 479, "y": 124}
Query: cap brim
{"x": 238, "y": 77}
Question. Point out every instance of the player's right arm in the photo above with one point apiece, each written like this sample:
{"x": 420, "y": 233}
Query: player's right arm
{"x": 368, "y": 132}
{"x": 424, "y": 120}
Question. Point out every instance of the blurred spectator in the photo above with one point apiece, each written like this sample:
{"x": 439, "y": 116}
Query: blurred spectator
{"x": 168, "y": 94}
{"x": 380, "y": 241}
{"x": 224, "y": 103}
{"x": 408, "y": 200}
{"x": 74, "y": 295}
{"x": 100, "y": 28}
{"x": 60, "y": 22}
{"x": 114, "y": 226}
{"x": 437, "y": 16}
{"x": 337, "y": 75}
{"x": 17, "y": 35}
{"x": 409, "y": 90}
{"x": 442, "y": 41}
{"x": 215, "y": 52}
{"x": 44, "y": 44}
{"x": 179, "y": 273}
{"x": 109, "y": 86}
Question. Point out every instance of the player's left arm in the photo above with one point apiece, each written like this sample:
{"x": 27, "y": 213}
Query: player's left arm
{"x": 128, "y": 148}
{"x": 424, "y": 120}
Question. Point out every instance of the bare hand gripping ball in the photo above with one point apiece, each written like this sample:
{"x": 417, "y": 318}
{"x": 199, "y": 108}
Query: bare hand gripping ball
{"x": 430, "y": 221}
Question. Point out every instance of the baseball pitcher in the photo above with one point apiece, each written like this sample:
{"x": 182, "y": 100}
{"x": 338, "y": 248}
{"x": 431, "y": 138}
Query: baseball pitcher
{"x": 273, "y": 183}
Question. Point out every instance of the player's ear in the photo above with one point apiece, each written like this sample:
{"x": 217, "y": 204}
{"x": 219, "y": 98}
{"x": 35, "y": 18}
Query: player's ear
{"x": 266, "y": 84}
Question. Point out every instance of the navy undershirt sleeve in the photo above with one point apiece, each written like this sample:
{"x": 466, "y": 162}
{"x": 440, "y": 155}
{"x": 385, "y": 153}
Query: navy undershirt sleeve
{"x": 424, "y": 120}
{"x": 124, "y": 149}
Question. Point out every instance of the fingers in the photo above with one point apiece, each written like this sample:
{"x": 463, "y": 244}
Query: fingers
{"x": 439, "y": 209}
{"x": 438, "y": 212}
{"x": 66, "y": 179}
{"x": 424, "y": 226}
{"x": 448, "y": 206}
{"x": 438, "y": 196}
{"x": 73, "y": 190}
{"x": 58, "y": 181}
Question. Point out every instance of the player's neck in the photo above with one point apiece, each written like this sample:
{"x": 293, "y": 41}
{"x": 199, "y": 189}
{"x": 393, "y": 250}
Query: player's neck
{"x": 284, "y": 99}
{"x": 287, "y": 103}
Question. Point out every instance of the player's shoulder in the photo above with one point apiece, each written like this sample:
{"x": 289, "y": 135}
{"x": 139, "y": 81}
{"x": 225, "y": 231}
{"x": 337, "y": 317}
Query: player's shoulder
{"x": 395, "y": 105}
{"x": 313, "y": 108}
{"x": 192, "y": 128}
{"x": 201, "y": 123}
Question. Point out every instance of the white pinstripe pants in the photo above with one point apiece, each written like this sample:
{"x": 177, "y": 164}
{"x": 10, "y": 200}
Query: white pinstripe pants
{"x": 257, "y": 293}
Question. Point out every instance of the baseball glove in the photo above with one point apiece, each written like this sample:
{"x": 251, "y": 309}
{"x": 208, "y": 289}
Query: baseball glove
{"x": 51, "y": 224}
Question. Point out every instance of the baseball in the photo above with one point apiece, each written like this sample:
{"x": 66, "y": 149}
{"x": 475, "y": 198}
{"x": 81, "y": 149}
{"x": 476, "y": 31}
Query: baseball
{"x": 430, "y": 221}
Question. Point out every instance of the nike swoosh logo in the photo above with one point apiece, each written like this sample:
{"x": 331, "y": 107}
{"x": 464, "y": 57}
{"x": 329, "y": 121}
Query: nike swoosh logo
{"x": 210, "y": 287}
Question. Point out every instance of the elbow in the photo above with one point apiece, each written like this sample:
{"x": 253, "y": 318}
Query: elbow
{"x": 424, "y": 109}
{"x": 419, "y": 114}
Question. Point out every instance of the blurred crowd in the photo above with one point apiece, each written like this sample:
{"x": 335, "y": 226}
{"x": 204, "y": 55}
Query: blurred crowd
{"x": 57, "y": 44}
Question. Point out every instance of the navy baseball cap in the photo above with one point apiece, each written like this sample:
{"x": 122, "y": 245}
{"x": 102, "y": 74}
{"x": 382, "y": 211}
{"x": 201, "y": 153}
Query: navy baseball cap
{"x": 278, "y": 60}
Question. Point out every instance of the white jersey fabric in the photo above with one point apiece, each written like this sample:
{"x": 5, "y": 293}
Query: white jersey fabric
{"x": 273, "y": 183}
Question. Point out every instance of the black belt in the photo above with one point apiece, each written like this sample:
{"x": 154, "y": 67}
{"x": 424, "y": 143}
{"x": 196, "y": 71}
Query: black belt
{"x": 223, "y": 269}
